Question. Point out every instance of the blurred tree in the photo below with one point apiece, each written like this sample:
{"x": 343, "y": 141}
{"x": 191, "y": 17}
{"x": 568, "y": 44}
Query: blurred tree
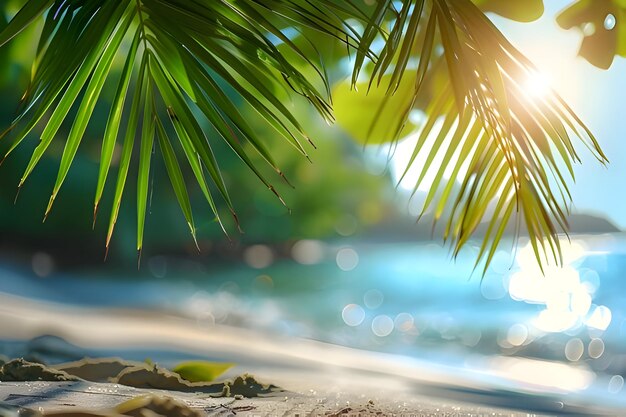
{"x": 235, "y": 70}
{"x": 335, "y": 188}
{"x": 601, "y": 24}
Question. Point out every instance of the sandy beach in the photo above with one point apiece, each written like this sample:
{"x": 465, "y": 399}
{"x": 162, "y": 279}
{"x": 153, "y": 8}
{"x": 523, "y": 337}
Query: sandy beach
{"x": 317, "y": 378}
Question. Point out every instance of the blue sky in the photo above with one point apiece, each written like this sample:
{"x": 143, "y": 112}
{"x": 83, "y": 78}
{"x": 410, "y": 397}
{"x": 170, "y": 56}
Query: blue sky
{"x": 598, "y": 97}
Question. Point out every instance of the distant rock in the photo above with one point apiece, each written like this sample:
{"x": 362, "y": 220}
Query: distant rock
{"x": 407, "y": 230}
{"x": 589, "y": 224}
{"x": 579, "y": 224}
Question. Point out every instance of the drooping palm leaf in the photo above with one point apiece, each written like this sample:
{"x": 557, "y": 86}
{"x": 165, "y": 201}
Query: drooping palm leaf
{"x": 510, "y": 151}
{"x": 180, "y": 55}
{"x": 507, "y": 149}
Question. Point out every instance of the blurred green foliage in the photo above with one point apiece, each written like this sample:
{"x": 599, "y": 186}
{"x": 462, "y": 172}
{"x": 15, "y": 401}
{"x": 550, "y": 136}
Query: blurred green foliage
{"x": 520, "y": 10}
{"x": 334, "y": 194}
{"x": 601, "y": 23}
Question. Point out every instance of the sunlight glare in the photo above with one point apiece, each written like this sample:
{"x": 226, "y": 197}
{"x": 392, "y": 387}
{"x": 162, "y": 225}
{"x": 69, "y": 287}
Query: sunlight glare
{"x": 538, "y": 373}
{"x": 566, "y": 295}
{"x": 555, "y": 55}
{"x": 537, "y": 85}
{"x": 600, "y": 318}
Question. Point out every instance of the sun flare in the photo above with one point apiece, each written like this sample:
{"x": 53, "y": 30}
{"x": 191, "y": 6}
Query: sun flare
{"x": 537, "y": 85}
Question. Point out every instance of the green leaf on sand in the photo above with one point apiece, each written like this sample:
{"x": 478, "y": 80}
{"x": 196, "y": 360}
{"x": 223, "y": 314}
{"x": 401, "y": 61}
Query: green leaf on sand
{"x": 202, "y": 371}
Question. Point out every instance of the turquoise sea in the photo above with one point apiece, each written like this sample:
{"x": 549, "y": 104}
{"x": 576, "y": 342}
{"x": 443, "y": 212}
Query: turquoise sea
{"x": 559, "y": 335}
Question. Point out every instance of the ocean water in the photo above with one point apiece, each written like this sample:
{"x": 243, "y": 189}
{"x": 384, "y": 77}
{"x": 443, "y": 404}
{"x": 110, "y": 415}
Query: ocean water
{"x": 561, "y": 330}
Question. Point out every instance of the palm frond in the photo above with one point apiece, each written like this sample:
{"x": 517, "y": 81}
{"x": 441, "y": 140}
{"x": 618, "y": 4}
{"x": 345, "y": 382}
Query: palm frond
{"x": 510, "y": 151}
{"x": 183, "y": 58}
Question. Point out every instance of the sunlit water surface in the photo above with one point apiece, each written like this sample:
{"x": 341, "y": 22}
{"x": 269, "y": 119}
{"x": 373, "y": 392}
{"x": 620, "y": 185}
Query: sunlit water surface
{"x": 564, "y": 329}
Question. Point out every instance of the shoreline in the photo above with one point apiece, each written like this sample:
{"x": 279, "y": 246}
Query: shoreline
{"x": 310, "y": 368}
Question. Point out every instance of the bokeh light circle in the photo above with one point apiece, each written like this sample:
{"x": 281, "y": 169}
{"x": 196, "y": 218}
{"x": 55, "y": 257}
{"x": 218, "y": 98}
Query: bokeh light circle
{"x": 382, "y": 325}
{"x": 353, "y": 315}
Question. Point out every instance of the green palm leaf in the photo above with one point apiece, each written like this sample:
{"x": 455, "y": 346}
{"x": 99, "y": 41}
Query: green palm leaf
{"x": 507, "y": 148}
{"x": 180, "y": 57}
{"x": 511, "y": 153}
